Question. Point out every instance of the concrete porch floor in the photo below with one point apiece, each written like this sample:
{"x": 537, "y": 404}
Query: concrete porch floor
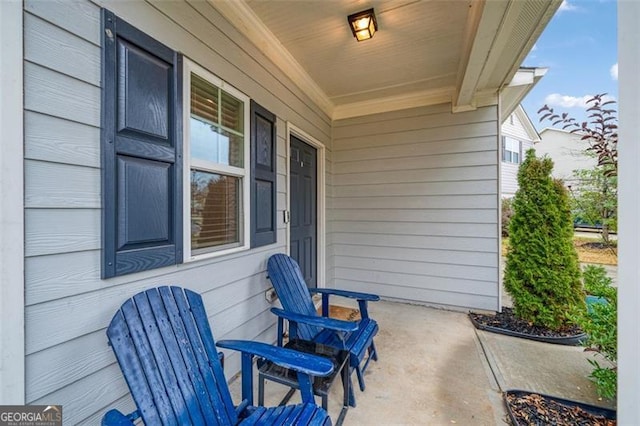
{"x": 431, "y": 370}
{"x": 434, "y": 368}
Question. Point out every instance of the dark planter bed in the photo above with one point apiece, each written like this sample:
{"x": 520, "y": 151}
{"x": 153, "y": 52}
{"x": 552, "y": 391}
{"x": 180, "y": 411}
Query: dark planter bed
{"x": 531, "y": 408}
{"x": 535, "y": 334}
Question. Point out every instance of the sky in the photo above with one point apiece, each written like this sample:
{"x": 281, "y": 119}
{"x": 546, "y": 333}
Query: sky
{"x": 579, "y": 46}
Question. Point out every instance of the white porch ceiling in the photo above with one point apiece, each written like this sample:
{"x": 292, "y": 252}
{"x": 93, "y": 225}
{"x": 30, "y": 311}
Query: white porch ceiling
{"x": 425, "y": 51}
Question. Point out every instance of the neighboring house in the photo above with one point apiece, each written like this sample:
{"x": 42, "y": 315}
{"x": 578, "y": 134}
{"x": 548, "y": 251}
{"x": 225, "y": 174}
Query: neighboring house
{"x": 518, "y": 135}
{"x": 185, "y": 142}
{"x": 567, "y": 151}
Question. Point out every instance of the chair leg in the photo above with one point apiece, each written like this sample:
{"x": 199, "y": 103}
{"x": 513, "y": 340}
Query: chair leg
{"x": 373, "y": 353}
{"x": 261, "y": 391}
{"x": 352, "y": 395}
{"x": 360, "y": 378}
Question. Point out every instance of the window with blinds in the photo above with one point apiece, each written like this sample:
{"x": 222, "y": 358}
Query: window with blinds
{"x": 511, "y": 150}
{"x": 217, "y": 134}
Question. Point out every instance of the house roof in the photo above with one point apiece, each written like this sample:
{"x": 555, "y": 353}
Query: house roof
{"x": 553, "y": 129}
{"x": 514, "y": 92}
{"x": 527, "y": 124}
{"x": 425, "y": 52}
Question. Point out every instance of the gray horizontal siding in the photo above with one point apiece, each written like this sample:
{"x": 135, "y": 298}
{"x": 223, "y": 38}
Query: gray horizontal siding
{"x": 437, "y": 255}
{"x": 425, "y": 295}
{"x": 481, "y": 230}
{"x": 414, "y": 211}
{"x": 390, "y": 214}
{"x": 55, "y": 185}
{"x": 457, "y": 160}
{"x": 425, "y": 135}
{"x": 56, "y": 321}
{"x": 486, "y": 245}
{"x": 57, "y": 140}
{"x": 509, "y": 179}
{"x": 509, "y": 171}
{"x": 363, "y": 267}
{"x": 440, "y": 174}
{"x": 418, "y": 202}
{"x": 68, "y": 306}
{"x": 55, "y": 48}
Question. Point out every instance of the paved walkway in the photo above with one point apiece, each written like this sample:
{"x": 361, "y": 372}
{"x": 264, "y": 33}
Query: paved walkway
{"x": 436, "y": 369}
{"x": 541, "y": 367}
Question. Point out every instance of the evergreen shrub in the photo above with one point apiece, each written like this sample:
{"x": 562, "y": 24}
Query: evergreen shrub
{"x": 542, "y": 272}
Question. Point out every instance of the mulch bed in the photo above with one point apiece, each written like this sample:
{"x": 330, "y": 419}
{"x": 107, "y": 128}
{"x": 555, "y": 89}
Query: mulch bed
{"x": 534, "y": 409}
{"x": 508, "y": 321}
{"x": 595, "y": 245}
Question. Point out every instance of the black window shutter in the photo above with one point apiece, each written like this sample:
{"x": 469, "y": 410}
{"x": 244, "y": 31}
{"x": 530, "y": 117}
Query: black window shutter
{"x": 141, "y": 151}
{"x": 263, "y": 176}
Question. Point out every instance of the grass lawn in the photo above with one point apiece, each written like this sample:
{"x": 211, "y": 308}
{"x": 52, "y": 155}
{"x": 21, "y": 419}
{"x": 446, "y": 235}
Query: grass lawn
{"x": 590, "y": 250}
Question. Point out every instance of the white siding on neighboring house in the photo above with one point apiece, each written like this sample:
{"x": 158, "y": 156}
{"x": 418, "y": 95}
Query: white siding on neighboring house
{"x": 517, "y": 127}
{"x": 68, "y": 306}
{"x": 567, "y": 151}
{"x": 414, "y": 214}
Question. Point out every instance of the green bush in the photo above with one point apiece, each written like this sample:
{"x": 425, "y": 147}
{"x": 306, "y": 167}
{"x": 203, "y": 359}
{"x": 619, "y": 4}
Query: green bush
{"x": 542, "y": 273}
{"x": 601, "y": 326}
{"x": 597, "y": 283}
{"x": 506, "y": 212}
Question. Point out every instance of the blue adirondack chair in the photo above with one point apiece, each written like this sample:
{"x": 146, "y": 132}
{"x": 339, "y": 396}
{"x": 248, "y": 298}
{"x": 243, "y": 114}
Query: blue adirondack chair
{"x": 306, "y": 324}
{"x": 163, "y": 343}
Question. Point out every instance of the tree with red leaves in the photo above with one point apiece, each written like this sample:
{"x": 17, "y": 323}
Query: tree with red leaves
{"x": 595, "y": 201}
{"x": 600, "y": 131}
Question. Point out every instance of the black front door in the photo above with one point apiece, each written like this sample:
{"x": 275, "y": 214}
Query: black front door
{"x": 303, "y": 208}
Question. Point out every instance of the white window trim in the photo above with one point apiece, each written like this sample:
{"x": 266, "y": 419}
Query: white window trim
{"x": 244, "y": 172}
{"x": 321, "y": 194}
{"x": 505, "y": 150}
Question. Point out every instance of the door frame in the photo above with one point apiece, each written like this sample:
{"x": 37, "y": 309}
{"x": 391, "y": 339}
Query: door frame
{"x": 321, "y": 198}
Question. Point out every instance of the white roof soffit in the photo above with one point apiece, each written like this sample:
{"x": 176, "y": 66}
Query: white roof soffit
{"x": 520, "y": 85}
{"x": 505, "y": 32}
{"x": 247, "y": 22}
{"x": 498, "y": 36}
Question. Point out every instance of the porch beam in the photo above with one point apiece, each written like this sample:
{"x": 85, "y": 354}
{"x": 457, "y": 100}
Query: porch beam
{"x": 482, "y": 26}
{"x": 499, "y": 35}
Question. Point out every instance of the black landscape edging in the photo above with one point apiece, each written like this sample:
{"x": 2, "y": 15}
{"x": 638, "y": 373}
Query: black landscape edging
{"x": 575, "y": 340}
{"x": 591, "y": 409}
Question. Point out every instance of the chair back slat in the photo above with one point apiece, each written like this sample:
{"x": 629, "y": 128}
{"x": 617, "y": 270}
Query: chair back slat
{"x": 204, "y": 329}
{"x": 292, "y": 291}
{"x": 161, "y": 346}
{"x": 134, "y": 372}
{"x": 196, "y": 358}
{"x": 169, "y": 359}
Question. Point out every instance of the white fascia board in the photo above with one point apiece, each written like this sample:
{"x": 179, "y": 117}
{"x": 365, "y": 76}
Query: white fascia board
{"x": 517, "y": 89}
{"x": 247, "y": 22}
{"x": 527, "y": 76}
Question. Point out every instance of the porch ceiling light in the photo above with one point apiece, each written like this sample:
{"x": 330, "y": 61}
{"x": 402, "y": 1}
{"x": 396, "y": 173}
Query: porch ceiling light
{"x": 363, "y": 24}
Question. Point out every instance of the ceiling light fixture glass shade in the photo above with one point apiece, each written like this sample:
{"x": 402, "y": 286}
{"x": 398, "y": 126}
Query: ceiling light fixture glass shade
{"x": 363, "y": 24}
